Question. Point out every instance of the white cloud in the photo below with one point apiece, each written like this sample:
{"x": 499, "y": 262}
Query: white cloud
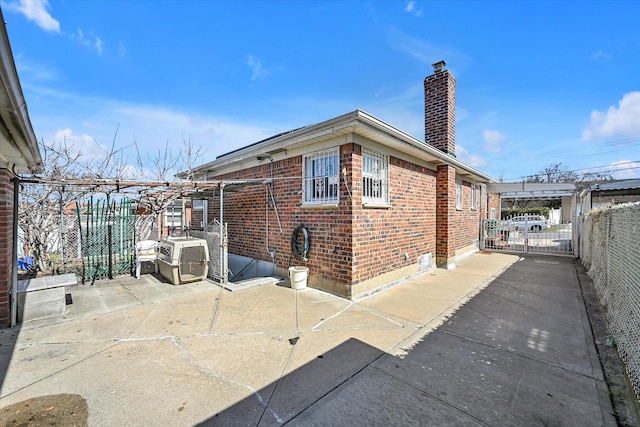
{"x": 91, "y": 126}
{"x": 122, "y": 50}
{"x": 83, "y": 144}
{"x": 256, "y": 68}
{"x": 36, "y": 11}
{"x": 98, "y": 45}
{"x": 412, "y": 9}
{"x": 625, "y": 169}
{"x": 91, "y": 41}
{"x": 601, "y": 55}
{"x": 493, "y": 140}
{"x": 472, "y": 160}
{"x": 616, "y": 122}
{"x": 425, "y": 51}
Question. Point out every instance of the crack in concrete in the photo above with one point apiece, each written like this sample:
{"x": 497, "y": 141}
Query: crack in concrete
{"x": 332, "y": 316}
{"x": 174, "y": 340}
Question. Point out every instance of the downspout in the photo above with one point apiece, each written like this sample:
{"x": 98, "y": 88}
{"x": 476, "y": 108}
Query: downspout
{"x": 14, "y": 255}
{"x": 266, "y": 218}
{"x": 223, "y": 268}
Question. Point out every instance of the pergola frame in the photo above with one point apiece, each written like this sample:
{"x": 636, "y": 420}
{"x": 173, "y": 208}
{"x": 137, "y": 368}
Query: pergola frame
{"x": 193, "y": 189}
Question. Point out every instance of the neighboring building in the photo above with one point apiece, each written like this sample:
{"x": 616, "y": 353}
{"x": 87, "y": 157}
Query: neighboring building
{"x": 379, "y": 205}
{"x": 610, "y": 192}
{"x": 19, "y": 153}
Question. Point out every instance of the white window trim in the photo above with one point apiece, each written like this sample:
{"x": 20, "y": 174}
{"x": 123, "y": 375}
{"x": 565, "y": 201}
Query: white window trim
{"x": 173, "y": 211}
{"x": 474, "y": 196}
{"x": 197, "y": 204}
{"x": 459, "y": 195}
{"x": 381, "y": 178}
{"x": 321, "y": 181}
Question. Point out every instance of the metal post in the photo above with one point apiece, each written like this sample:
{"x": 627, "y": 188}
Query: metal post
{"x": 110, "y": 245}
{"x": 14, "y": 255}
{"x": 62, "y": 245}
{"x": 223, "y": 270}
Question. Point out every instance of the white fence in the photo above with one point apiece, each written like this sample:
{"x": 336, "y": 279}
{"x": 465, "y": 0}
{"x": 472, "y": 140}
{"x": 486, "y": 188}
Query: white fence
{"x": 610, "y": 250}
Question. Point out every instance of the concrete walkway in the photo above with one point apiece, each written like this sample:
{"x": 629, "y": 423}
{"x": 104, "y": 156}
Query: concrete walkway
{"x": 144, "y": 352}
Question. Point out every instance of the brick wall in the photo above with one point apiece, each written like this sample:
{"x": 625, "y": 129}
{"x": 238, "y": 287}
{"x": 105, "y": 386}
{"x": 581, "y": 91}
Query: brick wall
{"x": 493, "y": 201}
{"x": 349, "y": 244}
{"x": 6, "y": 244}
{"x": 383, "y": 236}
{"x": 445, "y": 216}
{"x": 467, "y": 219}
{"x": 245, "y": 212}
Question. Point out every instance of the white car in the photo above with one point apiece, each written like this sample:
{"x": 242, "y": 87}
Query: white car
{"x": 529, "y": 222}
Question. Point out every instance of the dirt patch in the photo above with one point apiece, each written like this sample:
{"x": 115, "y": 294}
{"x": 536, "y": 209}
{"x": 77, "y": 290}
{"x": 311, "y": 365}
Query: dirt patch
{"x": 60, "y": 410}
{"x": 623, "y": 399}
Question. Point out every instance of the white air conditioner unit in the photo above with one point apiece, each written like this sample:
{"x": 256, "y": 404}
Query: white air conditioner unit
{"x": 183, "y": 259}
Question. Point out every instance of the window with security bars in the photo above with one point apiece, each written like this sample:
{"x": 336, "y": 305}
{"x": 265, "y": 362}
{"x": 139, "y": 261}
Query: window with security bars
{"x": 321, "y": 177}
{"x": 375, "y": 177}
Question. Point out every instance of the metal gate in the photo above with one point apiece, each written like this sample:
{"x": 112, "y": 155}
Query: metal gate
{"x": 527, "y": 234}
{"x": 107, "y": 238}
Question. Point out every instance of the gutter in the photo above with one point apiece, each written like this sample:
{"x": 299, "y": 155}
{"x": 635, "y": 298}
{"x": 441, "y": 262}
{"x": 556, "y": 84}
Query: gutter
{"x": 18, "y": 109}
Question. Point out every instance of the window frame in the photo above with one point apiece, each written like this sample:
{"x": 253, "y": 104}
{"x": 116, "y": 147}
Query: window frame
{"x": 459, "y": 195}
{"x": 200, "y": 204}
{"x": 174, "y": 210}
{"x": 321, "y": 188}
{"x": 474, "y": 196}
{"x": 377, "y": 176}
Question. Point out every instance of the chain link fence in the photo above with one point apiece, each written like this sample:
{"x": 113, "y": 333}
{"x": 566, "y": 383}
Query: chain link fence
{"x": 63, "y": 246}
{"x": 218, "y": 256}
{"x": 610, "y": 250}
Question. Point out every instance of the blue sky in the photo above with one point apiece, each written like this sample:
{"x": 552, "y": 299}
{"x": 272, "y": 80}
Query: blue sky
{"x": 538, "y": 82}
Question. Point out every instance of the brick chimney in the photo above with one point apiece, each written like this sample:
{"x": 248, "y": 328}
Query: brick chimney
{"x": 440, "y": 109}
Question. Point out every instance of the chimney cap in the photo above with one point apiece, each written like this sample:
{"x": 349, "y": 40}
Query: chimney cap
{"x": 438, "y": 66}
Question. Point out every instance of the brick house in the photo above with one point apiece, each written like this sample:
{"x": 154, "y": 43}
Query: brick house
{"x": 379, "y": 204}
{"x": 19, "y": 153}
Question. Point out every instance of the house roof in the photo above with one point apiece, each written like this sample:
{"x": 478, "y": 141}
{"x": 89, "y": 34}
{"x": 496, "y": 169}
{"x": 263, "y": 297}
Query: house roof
{"x": 614, "y": 188}
{"x": 629, "y": 184}
{"x": 19, "y": 150}
{"x": 358, "y": 122}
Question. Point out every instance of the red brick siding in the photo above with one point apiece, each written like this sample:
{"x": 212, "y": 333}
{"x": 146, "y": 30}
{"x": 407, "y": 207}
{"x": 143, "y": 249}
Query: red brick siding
{"x": 329, "y": 228}
{"x": 6, "y": 244}
{"x": 445, "y": 214}
{"x": 493, "y": 201}
{"x": 467, "y": 221}
{"x": 349, "y": 244}
{"x": 383, "y": 236}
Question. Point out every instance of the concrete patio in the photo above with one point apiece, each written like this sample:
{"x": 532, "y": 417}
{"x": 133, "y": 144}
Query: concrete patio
{"x": 145, "y": 352}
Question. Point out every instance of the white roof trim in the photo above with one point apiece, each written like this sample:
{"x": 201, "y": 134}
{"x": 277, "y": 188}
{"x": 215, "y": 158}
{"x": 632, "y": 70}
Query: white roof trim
{"x": 20, "y": 152}
{"x": 350, "y": 122}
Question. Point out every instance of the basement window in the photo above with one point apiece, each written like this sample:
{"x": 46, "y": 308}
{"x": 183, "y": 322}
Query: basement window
{"x": 321, "y": 177}
{"x": 375, "y": 178}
